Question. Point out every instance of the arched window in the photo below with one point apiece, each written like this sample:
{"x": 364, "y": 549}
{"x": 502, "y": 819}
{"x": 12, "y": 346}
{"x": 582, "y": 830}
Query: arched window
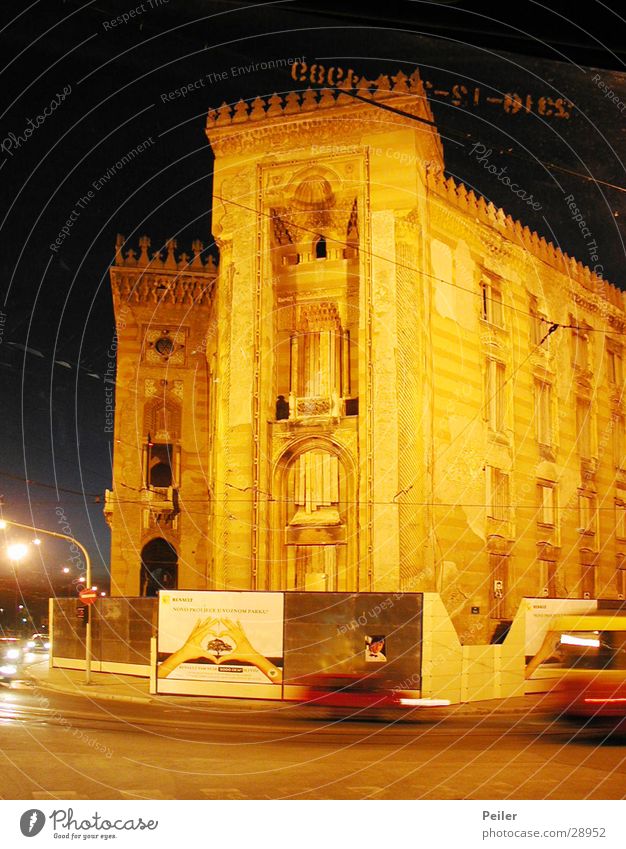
{"x": 162, "y": 418}
{"x": 320, "y": 248}
{"x": 160, "y": 462}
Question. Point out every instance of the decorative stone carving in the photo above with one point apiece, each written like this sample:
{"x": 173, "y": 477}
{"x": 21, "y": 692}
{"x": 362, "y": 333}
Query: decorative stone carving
{"x": 313, "y": 406}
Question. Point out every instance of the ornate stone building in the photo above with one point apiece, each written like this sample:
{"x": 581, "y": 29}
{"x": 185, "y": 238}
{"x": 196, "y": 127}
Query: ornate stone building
{"x": 365, "y": 395}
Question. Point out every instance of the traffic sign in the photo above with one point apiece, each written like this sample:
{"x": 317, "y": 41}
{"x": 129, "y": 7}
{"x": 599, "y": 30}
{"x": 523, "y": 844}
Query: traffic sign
{"x": 88, "y": 596}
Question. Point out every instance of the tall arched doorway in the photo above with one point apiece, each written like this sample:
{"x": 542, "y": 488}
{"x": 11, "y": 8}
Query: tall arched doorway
{"x": 159, "y": 567}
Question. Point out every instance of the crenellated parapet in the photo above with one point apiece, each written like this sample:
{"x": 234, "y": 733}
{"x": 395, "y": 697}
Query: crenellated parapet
{"x": 352, "y": 100}
{"x": 164, "y": 258}
{"x": 310, "y": 100}
{"x": 492, "y": 216}
{"x": 164, "y": 276}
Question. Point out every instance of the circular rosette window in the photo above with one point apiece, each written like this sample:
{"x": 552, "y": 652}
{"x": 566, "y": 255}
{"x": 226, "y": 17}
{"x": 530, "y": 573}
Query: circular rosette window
{"x": 164, "y": 346}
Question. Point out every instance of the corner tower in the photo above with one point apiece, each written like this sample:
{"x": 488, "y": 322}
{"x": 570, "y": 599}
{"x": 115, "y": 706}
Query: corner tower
{"x": 321, "y": 361}
{"x": 159, "y": 503}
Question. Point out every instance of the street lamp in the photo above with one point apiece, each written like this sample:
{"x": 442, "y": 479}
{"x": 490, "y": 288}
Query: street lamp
{"x": 6, "y": 522}
{"x": 17, "y": 551}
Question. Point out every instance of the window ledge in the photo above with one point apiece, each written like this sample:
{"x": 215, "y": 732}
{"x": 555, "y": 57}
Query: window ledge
{"x": 588, "y": 466}
{"x": 490, "y": 324}
{"x": 499, "y": 436}
{"x": 547, "y": 452}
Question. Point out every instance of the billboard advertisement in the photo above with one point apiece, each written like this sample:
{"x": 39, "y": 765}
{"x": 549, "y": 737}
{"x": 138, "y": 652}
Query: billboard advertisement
{"x": 375, "y": 638}
{"x": 269, "y": 645}
{"x": 220, "y": 644}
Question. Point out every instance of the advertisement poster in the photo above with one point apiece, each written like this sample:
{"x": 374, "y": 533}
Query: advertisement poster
{"x": 375, "y": 648}
{"x": 540, "y": 612}
{"x": 220, "y": 643}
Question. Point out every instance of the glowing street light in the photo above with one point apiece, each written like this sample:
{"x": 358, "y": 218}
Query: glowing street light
{"x": 17, "y": 551}
{"x": 21, "y": 549}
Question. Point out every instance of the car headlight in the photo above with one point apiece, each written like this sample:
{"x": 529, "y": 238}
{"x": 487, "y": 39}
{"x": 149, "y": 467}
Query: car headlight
{"x": 46, "y": 646}
{"x": 30, "y": 644}
{"x": 8, "y": 669}
{"x": 12, "y": 654}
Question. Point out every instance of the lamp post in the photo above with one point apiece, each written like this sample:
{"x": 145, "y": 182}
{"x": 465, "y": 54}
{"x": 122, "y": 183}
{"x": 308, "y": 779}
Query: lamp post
{"x": 85, "y": 553}
{"x": 15, "y": 552}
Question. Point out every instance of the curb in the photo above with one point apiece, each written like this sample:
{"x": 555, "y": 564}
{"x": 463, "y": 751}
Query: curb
{"x": 164, "y": 700}
{"x": 462, "y": 709}
{"x": 67, "y": 691}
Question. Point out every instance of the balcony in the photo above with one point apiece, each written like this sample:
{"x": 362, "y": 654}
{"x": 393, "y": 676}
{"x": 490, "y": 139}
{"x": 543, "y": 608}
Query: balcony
{"x": 161, "y": 504}
{"x": 109, "y": 506}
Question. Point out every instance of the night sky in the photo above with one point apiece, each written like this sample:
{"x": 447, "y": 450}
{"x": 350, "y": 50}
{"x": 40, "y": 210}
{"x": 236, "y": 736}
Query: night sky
{"x": 111, "y": 85}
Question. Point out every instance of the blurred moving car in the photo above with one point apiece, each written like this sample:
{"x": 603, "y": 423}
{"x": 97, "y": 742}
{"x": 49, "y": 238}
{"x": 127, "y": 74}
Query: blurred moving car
{"x": 37, "y": 648}
{"x": 11, "y": 658}
{"x": 590, "y": 651}
{"x": 38, "y": 643}
{"x": 351, "y": 690}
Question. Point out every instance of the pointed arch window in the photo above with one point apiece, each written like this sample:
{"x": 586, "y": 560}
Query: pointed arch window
{"x": 320, "y": 248}
{"x": 162, "y": 418}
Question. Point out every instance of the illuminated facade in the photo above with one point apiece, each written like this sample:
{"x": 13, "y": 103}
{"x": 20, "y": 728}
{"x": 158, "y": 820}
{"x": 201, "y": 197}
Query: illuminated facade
{"x": 363, "y": 396}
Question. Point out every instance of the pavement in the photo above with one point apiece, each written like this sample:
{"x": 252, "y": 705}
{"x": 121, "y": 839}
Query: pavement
{"x": 131, "y": 688}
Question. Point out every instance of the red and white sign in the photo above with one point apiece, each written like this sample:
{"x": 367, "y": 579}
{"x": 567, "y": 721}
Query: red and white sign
{"x": 88, "y": 596}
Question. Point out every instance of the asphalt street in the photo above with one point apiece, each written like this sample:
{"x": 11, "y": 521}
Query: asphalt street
{"x": 54, "y": 745}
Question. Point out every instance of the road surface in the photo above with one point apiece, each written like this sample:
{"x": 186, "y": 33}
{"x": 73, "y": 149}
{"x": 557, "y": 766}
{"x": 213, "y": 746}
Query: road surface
{"x": 68, "y": 747}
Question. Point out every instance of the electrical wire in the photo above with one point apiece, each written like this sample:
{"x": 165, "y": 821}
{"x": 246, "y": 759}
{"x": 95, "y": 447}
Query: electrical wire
{"x": 467, "y": 135}
{"x": 220, "y": 501}
{"x": 397, "y": 264}
{"x": 32, "y": 482}
{"x": 554, "y": 325}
